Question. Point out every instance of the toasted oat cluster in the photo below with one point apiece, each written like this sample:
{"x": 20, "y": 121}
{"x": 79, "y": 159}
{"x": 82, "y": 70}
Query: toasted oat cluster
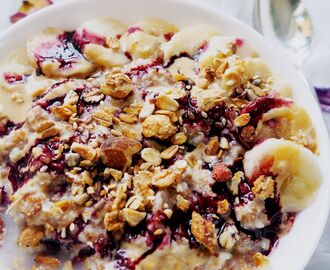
{"x": 150, "y": 147}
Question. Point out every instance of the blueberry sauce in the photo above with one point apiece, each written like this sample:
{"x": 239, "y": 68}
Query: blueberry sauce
{"x": 6, "y": 126}
{"x": 140, "y": 71}
{"x": 4, "y": 200}
{"x": 64, "y": 50}
{"x": 86, "y": 37}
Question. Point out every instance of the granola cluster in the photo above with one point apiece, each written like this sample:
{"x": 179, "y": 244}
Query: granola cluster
{"x": 132, "y": 152}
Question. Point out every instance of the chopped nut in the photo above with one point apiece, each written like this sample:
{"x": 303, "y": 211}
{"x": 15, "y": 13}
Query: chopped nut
{"x": 164, "y": 102}
{"x": 86, "y": 152}
{"x": 182, "y": 203}
{"x": 114, "y": 221}
{"x": 223, "y": 207}
{"x": 179, "y": 138}
{"x": 117, "y": 152}
{"x": 117, "y": 85}
{"x": 242, "y": 120}
{"x": 229, "y": 236}
{"x": 260, "y": 260}
{"x": 213, "y": 146}
{"x": 151, "y": 155}
{"x": 81, "y": 199}
{"x": 247, "y": 134}
{"x": 221, "y": 173}
{"x": 37, "y": 120}
{"x": 168, "y": 213}
{"x": 93, "y": 95}
{"x": 47, "y": 261}
{"x": 117, "y": 175}
{"x": 71, "y": 98}
{"x": 64, "y": 112}
{"x": 133, "y": 217}
{"x": 49, "y": 132}
{"x": 158, "y": 126}
{"x": 224, "y": 143}
{"x": 204, "y": 232}
{"x": 263, "y": 187}
{"x": 103, "y": 115}
{"x": 165, "y": 178}
{"x": 169, "y": 152}
{"x": 234, "y": 182}
{"x": 31, "y": 237}
{"x": 72, "y": 159}
{"x": 135, "y": 203}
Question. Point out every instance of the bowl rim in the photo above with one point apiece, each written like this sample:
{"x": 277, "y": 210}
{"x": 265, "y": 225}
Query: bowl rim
{"x": 62, "y": 6}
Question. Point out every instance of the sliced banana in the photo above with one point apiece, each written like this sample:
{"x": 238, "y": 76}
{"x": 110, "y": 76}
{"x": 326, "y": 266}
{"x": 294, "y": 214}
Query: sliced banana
{"x": 218, "y": 45}
{"x": 51, "y": 50}
{"x": 156, "y": 26}
{"x": 294, "y": 167}
{"x": 290, "y": 123}
{"x": 187, "y": 40}
{"x": 102, "y": 27}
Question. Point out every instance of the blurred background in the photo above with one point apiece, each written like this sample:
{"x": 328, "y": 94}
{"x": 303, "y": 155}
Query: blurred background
{"x": 299, "y": 29}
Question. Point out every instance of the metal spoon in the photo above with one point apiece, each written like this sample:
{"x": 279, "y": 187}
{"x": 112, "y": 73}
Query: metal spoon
{"x": 288, "y": 24}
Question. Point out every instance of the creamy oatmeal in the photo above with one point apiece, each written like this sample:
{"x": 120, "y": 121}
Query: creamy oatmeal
{"x": 150, "y": 147}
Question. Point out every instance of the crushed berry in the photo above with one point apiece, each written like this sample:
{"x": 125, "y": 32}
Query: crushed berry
{"x": 63, "y": 51}
{"x": 133, "y": 29}
{"x": 262, "y": 105}
{"x": 12, "y": 77}
{"x": 140, "y": 71}
{"x": 168, "y": 36}
{"x": 239, "y": 42}
{"x": 86, "y": 37}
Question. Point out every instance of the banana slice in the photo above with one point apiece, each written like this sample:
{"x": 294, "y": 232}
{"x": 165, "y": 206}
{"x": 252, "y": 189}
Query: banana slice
{"x": 188, "y": 40}
{"x": 290, "y": 123}
{"x": 294, "y": 167}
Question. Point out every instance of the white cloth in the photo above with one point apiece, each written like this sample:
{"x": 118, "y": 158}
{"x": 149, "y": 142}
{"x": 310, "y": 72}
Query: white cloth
{"x": 317, "y": 68}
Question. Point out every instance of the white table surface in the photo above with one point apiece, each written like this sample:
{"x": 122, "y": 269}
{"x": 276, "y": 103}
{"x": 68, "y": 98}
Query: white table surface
{"x": 318, "y": 67}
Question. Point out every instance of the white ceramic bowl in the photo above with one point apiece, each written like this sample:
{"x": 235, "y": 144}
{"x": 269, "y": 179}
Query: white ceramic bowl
{"x": 295, "y": 249}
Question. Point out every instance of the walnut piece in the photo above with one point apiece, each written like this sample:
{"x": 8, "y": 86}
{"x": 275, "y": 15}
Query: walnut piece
{"x": 204, "y": 232}
{"x": 117, "y": 152}
{"x": 158, "y": 126}
{"x": 117, "y": 85}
